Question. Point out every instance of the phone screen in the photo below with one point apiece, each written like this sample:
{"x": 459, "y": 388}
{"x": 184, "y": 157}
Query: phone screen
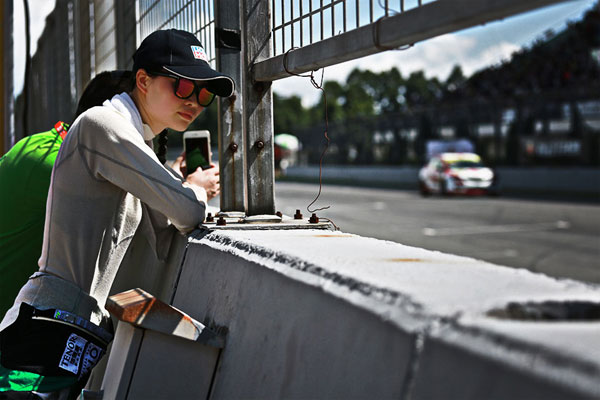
{"x": 196, "y": 154}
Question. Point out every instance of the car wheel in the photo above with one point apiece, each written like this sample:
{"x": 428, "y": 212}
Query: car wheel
{"x": 443, "y": 187}
{"x": 423, "y": 189}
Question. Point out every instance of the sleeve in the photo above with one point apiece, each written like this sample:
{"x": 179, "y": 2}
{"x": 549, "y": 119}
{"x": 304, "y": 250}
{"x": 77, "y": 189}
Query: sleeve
{"x": 174, "y": 173}
{"x": 158, "y": 232}
{"x": 113, "y": 150}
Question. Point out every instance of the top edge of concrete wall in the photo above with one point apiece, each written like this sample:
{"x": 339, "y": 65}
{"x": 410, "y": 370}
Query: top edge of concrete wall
{"x": 437, "y": 295}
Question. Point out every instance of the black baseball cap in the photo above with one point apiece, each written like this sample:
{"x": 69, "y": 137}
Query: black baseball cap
{"x": 180, "y": 53}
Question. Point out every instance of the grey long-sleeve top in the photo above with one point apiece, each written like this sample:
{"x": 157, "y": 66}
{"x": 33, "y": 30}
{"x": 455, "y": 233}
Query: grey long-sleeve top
{"x": 105, "y": 183}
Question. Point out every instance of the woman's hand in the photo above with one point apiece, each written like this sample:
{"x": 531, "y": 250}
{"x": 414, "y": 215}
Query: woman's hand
{"x": 179, "y": 165}
{"x": 207, "y": 179}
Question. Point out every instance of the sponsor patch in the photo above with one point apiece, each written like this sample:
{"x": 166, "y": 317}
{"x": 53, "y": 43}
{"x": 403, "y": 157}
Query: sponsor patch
{"x": 199, "y": 53}
{"x": 90, "y": 358}
{"x": 73, "y": 352}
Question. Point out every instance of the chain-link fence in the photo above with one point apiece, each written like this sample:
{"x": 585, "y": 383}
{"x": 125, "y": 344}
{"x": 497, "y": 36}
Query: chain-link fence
{"x": 297, "y": 23}
{"x": 196, "y": 16}
{"x": 254, "y": 41}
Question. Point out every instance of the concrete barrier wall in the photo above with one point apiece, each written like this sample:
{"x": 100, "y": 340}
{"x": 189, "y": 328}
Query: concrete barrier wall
{"x": 582, "y": 181}
{"x": 400, "y": 177}
{"x": 143, "y": 268}
{"x": 322, "y": 314}
{"x": 563, "y": 179}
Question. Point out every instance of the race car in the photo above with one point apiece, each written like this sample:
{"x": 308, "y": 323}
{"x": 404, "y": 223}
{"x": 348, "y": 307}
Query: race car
{"x": 456, "y": 173}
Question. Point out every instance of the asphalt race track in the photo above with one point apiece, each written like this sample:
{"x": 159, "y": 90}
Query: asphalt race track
{"x": 560, "y": 239}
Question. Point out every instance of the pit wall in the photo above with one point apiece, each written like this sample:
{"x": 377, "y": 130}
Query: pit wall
{"x": 582, "y": 182}
{"x": 325, "y": 314}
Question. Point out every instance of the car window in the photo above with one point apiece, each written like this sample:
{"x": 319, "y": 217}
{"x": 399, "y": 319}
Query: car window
{"x": 466, "y": 164}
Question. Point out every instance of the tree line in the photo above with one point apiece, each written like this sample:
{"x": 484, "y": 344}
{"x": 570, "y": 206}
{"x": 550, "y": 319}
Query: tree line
{"x": 385, "y": 117}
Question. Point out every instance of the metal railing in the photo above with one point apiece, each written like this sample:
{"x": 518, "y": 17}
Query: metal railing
{"x": 259, "y": 41}
{"x": 385, "y": 28}
{"x": 300, "y": 22}
{"x": 255, "y": 42}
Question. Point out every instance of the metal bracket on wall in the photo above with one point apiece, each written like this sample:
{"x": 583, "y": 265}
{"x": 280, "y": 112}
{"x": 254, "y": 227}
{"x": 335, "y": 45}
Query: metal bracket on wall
{"x": 234, "y": 221}
{"x": 228, "y": 39}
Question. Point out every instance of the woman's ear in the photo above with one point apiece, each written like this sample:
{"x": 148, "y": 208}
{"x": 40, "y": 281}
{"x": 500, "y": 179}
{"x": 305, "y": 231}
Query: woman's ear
{"x": 142, "y": 80}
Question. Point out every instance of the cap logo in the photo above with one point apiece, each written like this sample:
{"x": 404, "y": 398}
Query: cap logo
{"x": 199, "y": 53}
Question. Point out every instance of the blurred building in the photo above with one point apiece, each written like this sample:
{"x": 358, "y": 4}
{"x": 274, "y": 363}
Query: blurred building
{"x": 81, "y": 38}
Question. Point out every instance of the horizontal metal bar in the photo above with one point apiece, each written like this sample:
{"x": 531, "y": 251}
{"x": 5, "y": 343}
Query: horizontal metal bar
{"x": 304, "y": 16}
{"x": 415, "y": 25}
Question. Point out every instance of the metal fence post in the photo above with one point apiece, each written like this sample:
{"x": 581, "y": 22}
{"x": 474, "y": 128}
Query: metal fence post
{"x": 7, "y": 138}
{"x": 82, "y": 46}
{"x": 105, "y": 35}
{"x": 258, "y": 109}
{"x": 125, "y": 33}
{"x": 232, "y": 146}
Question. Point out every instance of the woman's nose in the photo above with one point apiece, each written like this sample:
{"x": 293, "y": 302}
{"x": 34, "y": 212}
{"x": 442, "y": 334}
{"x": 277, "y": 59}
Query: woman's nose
{"x": 192, "y": 101}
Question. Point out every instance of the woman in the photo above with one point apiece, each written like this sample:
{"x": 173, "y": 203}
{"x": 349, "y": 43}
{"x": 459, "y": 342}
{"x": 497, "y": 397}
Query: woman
{"x": 25, "y": 172}
{"x": 106, "y": 184}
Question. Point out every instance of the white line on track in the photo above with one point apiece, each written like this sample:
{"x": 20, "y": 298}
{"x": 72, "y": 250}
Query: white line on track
{"x": 476, "y": 230}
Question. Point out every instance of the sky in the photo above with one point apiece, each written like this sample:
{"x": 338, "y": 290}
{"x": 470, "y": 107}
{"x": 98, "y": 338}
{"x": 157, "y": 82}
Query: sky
{"x": 473, "y": 49}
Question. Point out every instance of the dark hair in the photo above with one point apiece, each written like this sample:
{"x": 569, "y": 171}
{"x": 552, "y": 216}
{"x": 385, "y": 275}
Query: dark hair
{"x": 103, "y": 87}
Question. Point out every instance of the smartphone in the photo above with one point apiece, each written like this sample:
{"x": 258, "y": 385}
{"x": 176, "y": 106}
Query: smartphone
{"x": 196, "y": 145}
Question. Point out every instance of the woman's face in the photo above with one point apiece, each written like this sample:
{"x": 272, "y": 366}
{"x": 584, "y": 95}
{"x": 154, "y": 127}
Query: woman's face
{"x": 164, "y": 109}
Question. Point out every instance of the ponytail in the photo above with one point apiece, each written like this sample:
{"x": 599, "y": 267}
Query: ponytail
{"x": 162, "y": 146}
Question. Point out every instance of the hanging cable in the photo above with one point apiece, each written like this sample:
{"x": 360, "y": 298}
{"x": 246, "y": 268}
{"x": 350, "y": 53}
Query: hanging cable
{"x": 318, "y": 86}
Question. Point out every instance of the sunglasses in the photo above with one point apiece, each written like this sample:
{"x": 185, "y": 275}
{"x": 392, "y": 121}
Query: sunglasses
{"x": 185, "y": 88}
